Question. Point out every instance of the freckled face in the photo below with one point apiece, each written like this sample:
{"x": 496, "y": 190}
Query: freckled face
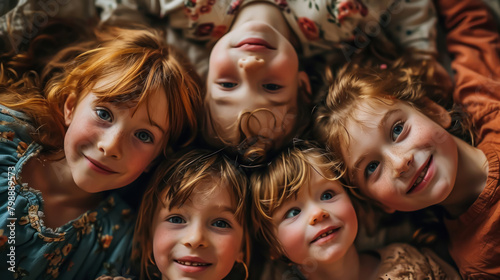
{"x": 107, "y": 146}
{"x": 399, "y": 156}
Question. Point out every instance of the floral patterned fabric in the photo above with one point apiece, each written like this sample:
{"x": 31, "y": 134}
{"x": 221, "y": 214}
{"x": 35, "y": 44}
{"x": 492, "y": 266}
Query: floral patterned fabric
{"x": 403, "y": 261}
{"x": 321, "y": 25}
{"x": 98, "y": 242}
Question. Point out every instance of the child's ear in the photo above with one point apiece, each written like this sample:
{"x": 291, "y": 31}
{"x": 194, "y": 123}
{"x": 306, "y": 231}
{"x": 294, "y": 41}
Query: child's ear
{"x": 437, "y": 112}
{"x": 304, "y": 81}
{"x": 69, "y": 108}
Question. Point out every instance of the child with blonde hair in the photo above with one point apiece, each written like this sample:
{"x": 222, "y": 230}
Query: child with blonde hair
{"x": 305, "y": 216}
{"x": 97, "y": 126}
{"x": 192, "y": 221}
{"x": 399, "y": 147}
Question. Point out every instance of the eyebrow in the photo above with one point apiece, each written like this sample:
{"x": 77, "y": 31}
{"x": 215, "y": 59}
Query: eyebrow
{"x": 381, "y": 125}
{"x": 228, "y": 209}
{"x": 387, "y": 115}
{"x": 153, "y": 123}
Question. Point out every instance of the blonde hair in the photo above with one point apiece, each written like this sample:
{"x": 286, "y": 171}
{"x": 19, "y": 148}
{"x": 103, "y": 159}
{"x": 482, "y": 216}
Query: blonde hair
{"x": 407, "y": 83}
{"x": 281, "y": 181}
{"x": 139, "y": 61}
{"x": 172, "y": 185}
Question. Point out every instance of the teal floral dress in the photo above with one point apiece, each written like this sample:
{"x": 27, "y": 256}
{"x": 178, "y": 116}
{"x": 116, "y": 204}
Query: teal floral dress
{"x": 98, "y": 242}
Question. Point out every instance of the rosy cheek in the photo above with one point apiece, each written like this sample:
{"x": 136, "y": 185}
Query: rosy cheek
{"x": 290, "y": 239}
{"x": 228, "y": 251}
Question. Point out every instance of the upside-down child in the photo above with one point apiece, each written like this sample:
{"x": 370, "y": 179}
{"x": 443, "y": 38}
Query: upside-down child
{"x": 400, "y": 149}
{"x": 97, "y": 126}
{"x": 192, "y": 220}
{"x": 305, "y": 215}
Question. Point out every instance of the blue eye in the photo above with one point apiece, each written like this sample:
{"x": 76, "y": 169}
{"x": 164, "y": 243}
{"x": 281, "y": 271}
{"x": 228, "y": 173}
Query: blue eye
{"x": 292, "y": 213}
{"x": 272, "y": 87}
{"x": 327, "y": 195}
{"x": 228, "y": 85}
{"x": 176, "y": 220}
{"x": 397, "y": 130}
{"x": 144, "y": 136}
{"x": 221, "y": 224}
{"x": 104, "y": 114}
{"x": 371, "y": 167}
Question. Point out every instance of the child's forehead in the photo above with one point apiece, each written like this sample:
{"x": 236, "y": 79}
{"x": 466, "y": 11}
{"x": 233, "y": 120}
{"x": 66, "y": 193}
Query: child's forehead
{"x": 130, "y": 92}
{"x": 204, "y": 193}
{"x": 317, "y": 180}
{"x": 370, "y": 112}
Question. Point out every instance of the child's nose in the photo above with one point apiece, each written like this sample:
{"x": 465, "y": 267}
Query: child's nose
{"x": 194, "y": 237}
{"x": 250, "y": 63}
{"x": 318, "y": 216}
{"x": 402, "y": 164}
{"x": 110, "y": 144}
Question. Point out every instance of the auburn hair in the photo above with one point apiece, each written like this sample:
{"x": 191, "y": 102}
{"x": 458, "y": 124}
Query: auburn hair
{"x": 138, "y": 62}
{"x": 408, "y": 82}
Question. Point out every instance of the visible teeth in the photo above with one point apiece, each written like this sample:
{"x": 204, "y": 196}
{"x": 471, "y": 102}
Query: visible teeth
{"x": 324, "y": 234}
{"x": 192, "y": 263}
{"x": 421, "y": 177}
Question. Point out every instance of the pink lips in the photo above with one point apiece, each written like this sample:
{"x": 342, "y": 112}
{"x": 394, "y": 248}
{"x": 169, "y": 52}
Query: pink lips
{"x": 330, "y": 232}
{"x": 254, "y": 44}
{"x": 427, "y": 177}
{"x": 100, "y": 168}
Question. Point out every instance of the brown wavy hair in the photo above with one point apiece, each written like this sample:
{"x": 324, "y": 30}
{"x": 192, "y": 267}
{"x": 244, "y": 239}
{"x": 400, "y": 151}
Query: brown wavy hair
{"x": 141, "y": 63}
{"x": 172, "y": 185}
{"x": 281, "y": 181}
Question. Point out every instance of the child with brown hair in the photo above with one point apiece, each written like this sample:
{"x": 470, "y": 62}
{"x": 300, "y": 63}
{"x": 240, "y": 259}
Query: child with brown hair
{"x": 97, "y": 126}
{"x": 304, "y": 214}
{"x": 192, "y": 221}
{"x": 398, "y": 148}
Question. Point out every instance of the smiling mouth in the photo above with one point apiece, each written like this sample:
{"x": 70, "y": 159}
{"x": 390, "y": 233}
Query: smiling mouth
{"x": 325, "y": 234}
{"x": 99, "y": 167}
{"x": 254, "y": 43}
{"x": 421, "y": 176}
{"x": 192, "y": 263}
